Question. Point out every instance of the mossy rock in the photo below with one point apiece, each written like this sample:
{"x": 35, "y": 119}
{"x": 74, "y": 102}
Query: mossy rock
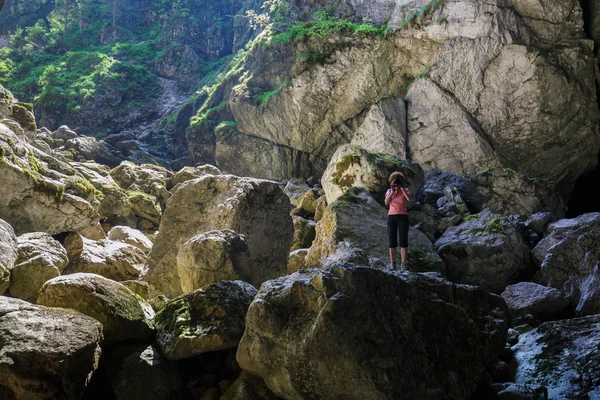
{"x": 351, "y": 165}
{"x": 123, "y": 314}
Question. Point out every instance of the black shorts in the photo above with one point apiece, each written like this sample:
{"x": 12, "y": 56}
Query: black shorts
{"x": 398, "y": 224}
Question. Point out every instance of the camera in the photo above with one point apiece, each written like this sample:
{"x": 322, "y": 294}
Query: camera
{"x": 398, "y": 182}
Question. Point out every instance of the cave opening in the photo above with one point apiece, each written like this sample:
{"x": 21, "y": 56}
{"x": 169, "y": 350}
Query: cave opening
{"x": 584, "y": 197}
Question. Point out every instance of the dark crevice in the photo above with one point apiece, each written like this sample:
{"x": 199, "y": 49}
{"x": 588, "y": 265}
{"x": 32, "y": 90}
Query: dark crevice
{"x": 586, "y": 6}
{"x": 583, "y": 198}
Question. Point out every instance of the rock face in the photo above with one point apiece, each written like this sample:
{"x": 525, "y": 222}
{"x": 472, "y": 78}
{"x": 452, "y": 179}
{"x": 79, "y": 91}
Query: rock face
{"x": 357, "y": 221}
{"x": 216, "y": 256}
{"x": 304, "y": 233}
{"x": 123, "y": 315}
{"x": 501, "y": 190}
{"x": 140, "y": 372}
{"x": 46, "y": 353}
{"x": 42, "y": 194}
{"x": 563, "y": 357}
{"x": 463, "y": 114}
{"x": 530, "y": 298}
{"x": 384, "y": 128}
{"x": 300, "y": 325}
{"x": 568, "y": 260}
{"x": 41, "y": 258}
{"x": 8, "y": 254}
{"x": 209, "y": 319}
{"x": 257, "y": 209}
{"x": 113, "y": 260}
{"x": 488, "y": 251}
{"x": 354, "y": 166}
{"x": 442, "y": 134}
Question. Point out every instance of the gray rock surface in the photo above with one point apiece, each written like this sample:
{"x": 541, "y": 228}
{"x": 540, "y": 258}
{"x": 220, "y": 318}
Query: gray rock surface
{"x": 442, "y": 135}
{"x": 41, "y": 258}
{"x": 257, "y": 209}
{"x": 568, "y": 260}
{"x": 384, "y": 128}
{"x": 122, "y": 314}
{"x": 208, "y": 319}
{"x": 42, "y": 194}
{"x": 45, "y": 353}
{"x": 301, "y": 325}
{"x": 530, "y": 298}
{"x": 8, "y": 254}
{"x": 130, "y": 236}
{"x": 188, "y": 173}
{"x": 487, "y": 251}
{"x": 215, "y": 256}
{"x": 563, "y": 356}
{"x": 114, "y": 260}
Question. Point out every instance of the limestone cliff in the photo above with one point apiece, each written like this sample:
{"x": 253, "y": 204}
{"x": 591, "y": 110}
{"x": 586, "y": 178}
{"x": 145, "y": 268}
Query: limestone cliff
{"x": 506, "y": 83}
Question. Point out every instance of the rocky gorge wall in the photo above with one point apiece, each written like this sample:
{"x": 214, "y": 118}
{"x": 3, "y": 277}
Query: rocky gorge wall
{"x": 503, "y": 84}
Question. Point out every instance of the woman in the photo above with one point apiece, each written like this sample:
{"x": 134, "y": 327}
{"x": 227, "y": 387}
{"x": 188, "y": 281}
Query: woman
{"x": 397, "y": 198}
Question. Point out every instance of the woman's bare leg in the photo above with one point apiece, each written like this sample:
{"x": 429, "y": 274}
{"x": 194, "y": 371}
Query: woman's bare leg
{"x": 393, "y": 254}
{"x": 403, "y": 253}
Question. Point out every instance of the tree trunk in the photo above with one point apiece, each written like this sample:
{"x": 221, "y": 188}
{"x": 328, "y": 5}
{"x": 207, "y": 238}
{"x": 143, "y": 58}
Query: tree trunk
{"x": 114, "y": 13}
{"x": 1, "y": 4}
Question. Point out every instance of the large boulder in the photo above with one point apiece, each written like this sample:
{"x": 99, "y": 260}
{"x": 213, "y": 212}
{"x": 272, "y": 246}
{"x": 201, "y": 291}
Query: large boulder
{"x": 209, "y": 319}
{"x": 88, "y": 148}
{"x": 130, "y": 236}
{"x": 487, "y": 251}
{"x": 215, "y": 256}
{"x": 390, "y": 336}
{"x": 41, "y": 258}
{"x": 568, "y": 259}
{"x": 46, "y": 353}
{"x": 41, "y": 193}
{"x": 257, "y": 209}
{"x": 8, "y": 254}
{"x": 507, "y": 192}
{"x": 143, "y": 177}
{"x": 140, "y": 372}
{"x": 563, "y": 357}
{"x": 351, "y": 165}
{"x": 530, "y": 298}
{"x": 357, "y": 221}
{"x": 112, "y": 259}
{"x": 123, "y": 314}
{"x": 189, "y": 173}
{"x": 113, "y": 199}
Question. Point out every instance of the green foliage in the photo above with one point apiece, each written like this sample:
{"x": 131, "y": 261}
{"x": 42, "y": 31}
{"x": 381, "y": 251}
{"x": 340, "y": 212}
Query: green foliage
{"x": 264, "y": 97}
{"x": 327, "y": 27}
{"x": 472, "y": 217}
